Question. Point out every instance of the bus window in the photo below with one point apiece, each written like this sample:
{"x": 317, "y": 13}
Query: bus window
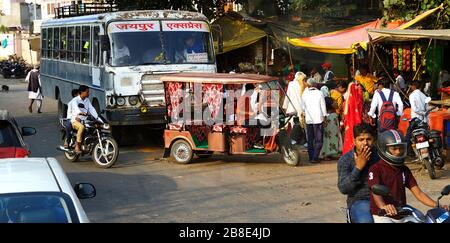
{"x": 49, "y": 42}
{"x": 63, "y": 43}
{"x": 44, "y": 43}
{"x": 85, "y": 44}
{"x": 96, "y": 46}
{"x": 71, "y": 43}
{"x": 188, "y": 47}
{"x": 55, "y": 43}
{"x": 77, "y": 49}
{"x": 128, "y": 51}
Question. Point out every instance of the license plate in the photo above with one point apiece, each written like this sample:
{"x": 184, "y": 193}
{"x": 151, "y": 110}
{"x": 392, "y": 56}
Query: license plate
{"x": 422, "y": 145}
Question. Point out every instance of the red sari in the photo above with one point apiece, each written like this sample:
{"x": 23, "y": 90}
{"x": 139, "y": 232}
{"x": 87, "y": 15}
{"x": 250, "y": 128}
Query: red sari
{"x": 352, "y": 116}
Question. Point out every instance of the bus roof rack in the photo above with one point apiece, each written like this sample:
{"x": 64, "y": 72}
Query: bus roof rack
{"x": 84, "y": 9}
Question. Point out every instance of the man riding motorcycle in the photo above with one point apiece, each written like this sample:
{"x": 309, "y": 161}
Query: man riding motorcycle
{"x": 391, "y": 172}
{"x": 79, "y": 114}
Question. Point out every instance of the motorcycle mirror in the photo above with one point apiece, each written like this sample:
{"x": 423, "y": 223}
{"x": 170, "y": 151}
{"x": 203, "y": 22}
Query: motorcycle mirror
{"x": 445, "y": 191}
{"x": 81, "y": 105}
{"x": 427, "y": 100}
{"x": 380, "y": 190}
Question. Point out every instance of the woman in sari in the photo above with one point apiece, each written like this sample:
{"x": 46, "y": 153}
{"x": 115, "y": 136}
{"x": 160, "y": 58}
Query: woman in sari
{"x": 352, "y": 116}
{"x": 332, "y": 137}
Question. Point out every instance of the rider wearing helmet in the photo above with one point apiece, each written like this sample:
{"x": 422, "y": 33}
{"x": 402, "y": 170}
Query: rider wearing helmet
{"x": 391, "y": 172}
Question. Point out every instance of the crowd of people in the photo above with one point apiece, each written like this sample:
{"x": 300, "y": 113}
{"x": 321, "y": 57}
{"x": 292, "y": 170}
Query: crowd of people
{"x": 356, "y": 122}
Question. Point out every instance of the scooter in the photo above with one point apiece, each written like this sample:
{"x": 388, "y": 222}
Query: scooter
{"x": 434, "y": 215}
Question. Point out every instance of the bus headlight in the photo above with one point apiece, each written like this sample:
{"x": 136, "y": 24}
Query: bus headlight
{"x": 111, "y": 101}
{"x": 120, "y": 101}
{"x": 133, "y": 100}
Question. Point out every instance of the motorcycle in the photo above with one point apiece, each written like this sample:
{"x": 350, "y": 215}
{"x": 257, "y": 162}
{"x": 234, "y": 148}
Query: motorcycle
{"x": 97, "y": 142}
{"x": 434, "y": 215}
{"x": 15, "y": 69}
{"x": 427, "y": 145}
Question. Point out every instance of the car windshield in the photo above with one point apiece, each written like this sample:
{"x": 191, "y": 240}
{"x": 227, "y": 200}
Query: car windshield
{"x": 143, "y": 43}
{"x": 8, "y": 137}
{"x": 35, "y": 208}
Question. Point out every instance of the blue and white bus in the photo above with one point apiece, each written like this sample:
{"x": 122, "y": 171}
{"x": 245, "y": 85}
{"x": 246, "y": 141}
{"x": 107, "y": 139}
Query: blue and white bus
{"x": 120, "y": 56}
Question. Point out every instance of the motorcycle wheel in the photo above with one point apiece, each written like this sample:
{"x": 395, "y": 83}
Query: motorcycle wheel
{"x": 290, "y": 155}
{"x": 71, "y": 157}
{"x": 112, "y": 153}
{"x": 430, "y": 168}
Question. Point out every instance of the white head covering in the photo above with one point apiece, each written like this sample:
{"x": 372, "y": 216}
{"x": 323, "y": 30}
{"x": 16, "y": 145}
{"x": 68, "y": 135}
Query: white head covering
{"x": 325, "y": 91}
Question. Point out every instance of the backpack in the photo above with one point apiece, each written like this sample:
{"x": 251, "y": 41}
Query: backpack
{"x": 387, "y": 116}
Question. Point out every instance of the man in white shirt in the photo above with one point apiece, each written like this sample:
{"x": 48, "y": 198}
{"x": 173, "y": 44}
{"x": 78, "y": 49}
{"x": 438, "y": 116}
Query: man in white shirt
{"x": 314, "y": 109}
{"x": 121, "y": 52}
{"x": 418, "y": 107}
{"x": 80, "y": 114}
{"x": 377, "y": 101}
{"x": 315, "y": 75}
{"x": 329, "y": 75}
{"x": 399, "y": 80}
{"x": 68, "y": 123}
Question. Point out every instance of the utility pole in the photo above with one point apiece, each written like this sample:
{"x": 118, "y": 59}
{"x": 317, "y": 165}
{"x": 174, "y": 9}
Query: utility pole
{"x": 35, "y": 13}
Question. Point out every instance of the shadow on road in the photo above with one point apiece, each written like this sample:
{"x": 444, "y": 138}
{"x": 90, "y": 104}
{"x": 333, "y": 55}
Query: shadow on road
{"x": 124, "y": 198}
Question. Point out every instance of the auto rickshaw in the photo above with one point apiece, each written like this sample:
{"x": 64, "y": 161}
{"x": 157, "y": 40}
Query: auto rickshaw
{"x": 204, "y": 111}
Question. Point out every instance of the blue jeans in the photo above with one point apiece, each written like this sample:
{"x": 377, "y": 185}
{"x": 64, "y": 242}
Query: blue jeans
{"x": 360, "y": 212}
{"x": 315, "y": 140}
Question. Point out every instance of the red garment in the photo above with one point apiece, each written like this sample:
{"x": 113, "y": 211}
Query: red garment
{"x": 353, "y": 109}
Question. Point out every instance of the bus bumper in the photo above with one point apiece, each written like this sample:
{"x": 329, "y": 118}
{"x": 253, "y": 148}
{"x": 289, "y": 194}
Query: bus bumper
{"x": 123, "y": 117}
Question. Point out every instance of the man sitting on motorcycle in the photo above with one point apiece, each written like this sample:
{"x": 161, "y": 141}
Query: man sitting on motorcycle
{"x": 391, "y": 172}
{"x": 353, "y": 169}
{"x": 418, "y": 103}
{"x": 68, "y": 123}
{"x": 80, "y": 112}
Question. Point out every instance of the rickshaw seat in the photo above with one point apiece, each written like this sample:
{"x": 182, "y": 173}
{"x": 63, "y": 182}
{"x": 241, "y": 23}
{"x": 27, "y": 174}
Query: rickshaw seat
{"x": 217, "y": 128}
{"x": 175, "y": 126}
{"x": 238, "y": 129}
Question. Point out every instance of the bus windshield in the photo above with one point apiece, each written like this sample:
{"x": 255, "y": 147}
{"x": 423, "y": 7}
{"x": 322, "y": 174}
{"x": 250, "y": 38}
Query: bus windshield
{"x": 142, "y": 43}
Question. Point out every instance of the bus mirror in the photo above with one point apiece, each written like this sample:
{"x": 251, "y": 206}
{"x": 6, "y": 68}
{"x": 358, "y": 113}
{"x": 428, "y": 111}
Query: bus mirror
{"x": 105, "y": 57}
{"x": 104, "y": 42}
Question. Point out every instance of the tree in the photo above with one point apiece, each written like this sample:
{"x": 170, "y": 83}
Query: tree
{"x": 408, "y": 9}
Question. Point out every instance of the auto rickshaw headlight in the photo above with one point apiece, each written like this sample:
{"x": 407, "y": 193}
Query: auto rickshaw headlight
{"x": 133, "y": 100}
{"x": 120, "y": 101}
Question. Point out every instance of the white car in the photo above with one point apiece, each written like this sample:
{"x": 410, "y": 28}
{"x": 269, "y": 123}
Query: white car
{"x": 37, "y": 190}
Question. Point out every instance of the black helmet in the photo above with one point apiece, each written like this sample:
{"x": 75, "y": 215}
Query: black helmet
{"x": 388, "y": 139}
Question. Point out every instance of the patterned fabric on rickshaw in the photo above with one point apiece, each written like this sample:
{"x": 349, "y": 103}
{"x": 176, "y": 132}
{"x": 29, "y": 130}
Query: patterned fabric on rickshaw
{"x": 174, "y": 97}
{"x": 212, "y": 95}
{"x": 251, "y": 134}
{"x": 175, "y": 126}
{"x": 217, "y": 128}
{"x": 199, "y": 133}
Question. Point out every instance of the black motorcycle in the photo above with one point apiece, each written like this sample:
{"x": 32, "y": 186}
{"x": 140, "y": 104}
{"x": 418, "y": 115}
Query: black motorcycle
{"x": 97, "y": 142}
{"x": 434, "y": 215}
{"x": 427, "y": 145}
{"x": 15, "y": 69}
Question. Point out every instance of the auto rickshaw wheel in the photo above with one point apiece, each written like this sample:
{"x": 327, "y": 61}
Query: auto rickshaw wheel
{"x": 181, "y": 152}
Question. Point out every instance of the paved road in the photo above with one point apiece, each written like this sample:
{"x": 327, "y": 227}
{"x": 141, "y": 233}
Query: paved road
{"x": 144, "y": 188}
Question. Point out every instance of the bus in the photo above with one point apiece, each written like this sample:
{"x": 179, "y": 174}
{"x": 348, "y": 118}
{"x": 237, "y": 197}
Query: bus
{"x": 120, "y": 57}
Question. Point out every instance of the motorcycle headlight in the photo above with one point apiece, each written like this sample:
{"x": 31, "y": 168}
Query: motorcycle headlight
{"x": 106, "y": 126}
{"x": 120, "y": 101}
{"x": 133, "y": 100}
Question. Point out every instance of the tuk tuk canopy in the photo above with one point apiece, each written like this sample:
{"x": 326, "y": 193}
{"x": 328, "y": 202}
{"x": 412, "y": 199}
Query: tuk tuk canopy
{"x": 346, "y": 41}
{"x": 217, "y": 78}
